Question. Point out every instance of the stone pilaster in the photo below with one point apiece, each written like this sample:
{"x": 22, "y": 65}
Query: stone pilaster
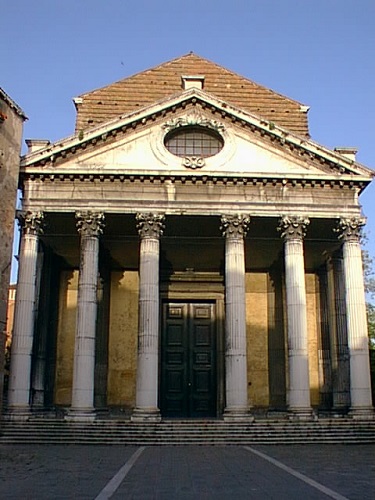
{"x": 24, "y": 316}
{"x": 349, "y": 231}
{"x": 90, "y": 226}
{"x": 150, "y": 228}
{"x": 293, "y": 230}
{"x": 234, "y": 229}
{"x": 338, "y": 334}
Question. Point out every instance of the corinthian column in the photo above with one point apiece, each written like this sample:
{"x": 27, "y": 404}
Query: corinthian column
{"x": 360, "y": 383}
{"x": 150, "y": 228}
{"x": 24, "y": 316}
{"x": 293, "y": 230}
{"x": 234, "y": 229}
{"x": 90, "y": 226}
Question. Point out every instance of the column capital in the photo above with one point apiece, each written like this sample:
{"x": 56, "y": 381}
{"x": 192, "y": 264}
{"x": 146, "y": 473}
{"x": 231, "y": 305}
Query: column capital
{"x": 349, "y": 229}
{"x": 90, "y": 223}
{"x": 293, "y": 227}
{"x": 31, "y": 222}
{"x": 150, "y": 225}
{"x": 234, "y": 226}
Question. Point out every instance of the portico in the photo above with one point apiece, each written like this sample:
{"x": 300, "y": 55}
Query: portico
{"x": 196, "y": 261}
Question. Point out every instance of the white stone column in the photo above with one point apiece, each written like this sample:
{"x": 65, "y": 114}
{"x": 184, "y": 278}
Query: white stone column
{"x": 24, "y": 316}
{"x": 150, "y": 228}
{"x": 234, "y": 229}
{"x": 293, "y": 230}
{"x": 90, "y": 226}
{"x": 360, "y": 382}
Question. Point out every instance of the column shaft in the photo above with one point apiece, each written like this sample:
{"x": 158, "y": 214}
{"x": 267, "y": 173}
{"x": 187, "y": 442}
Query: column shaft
{"x": 24, "y": 316}
{"x": 82, "y": 407}
{"x": 338, "y": 335}
{"x": 299, "y": 385}
{"x": 237, "y": 407}
{"x": 38, "y": 372}
{"x": 360, "y": 381}
{"x": 150, "y": 228}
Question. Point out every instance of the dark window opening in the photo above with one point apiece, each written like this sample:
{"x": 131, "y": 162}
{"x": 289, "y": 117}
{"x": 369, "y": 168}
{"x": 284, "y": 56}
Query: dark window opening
{"x": 194, "y": 141}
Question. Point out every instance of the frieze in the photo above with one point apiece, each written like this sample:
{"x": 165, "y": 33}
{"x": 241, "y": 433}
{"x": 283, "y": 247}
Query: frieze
{"x": 90, "y": 223}
{"x": 150, "y": 225}
{"x": 293, "y": 227}
{"x": 349, "y": 229}
{"x": 234, "y": 226}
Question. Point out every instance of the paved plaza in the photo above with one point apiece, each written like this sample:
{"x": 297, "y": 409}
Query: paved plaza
{"x": 187, "y": 472}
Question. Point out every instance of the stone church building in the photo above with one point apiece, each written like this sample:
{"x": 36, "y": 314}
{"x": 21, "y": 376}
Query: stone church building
{"x": 190, "y": 252}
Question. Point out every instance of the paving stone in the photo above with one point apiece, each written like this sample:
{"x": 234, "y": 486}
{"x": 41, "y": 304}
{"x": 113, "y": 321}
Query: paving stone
{"x": 185, "y": 472}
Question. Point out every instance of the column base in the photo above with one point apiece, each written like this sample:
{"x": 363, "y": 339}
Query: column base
{"x": 21, "y": 413}
{"x": 238, "y": 415}
{"x": 80, "y": 415}
{"x": 144, "y": 415}
{"x": 301, "y": 414}
{"x": 366, "y": 413}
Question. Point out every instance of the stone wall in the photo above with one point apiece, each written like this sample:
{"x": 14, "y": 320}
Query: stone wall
{"x": 11, "y": 123}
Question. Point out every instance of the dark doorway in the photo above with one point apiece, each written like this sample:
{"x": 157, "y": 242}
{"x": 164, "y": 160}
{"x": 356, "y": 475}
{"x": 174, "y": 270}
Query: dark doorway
{"x": 188, "y": 378}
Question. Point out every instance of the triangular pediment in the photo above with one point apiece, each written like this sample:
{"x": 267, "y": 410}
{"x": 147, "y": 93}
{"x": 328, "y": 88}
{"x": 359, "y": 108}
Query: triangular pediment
{"x": 253, "y": 146}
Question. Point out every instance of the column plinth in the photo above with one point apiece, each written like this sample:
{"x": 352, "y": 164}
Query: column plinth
{"x": 349, "y": 231}
{"x": 150, "y": 228}
{"x": 24, "y": 317}
{"x": 90, "y": 226}
{"x": 293, "y": 231}
{"x": 234, "y": 230}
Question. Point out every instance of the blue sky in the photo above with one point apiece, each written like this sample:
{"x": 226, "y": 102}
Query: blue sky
{"x": 319, "y": 52}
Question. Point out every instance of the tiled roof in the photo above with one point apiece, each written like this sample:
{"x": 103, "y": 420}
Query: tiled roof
{"x": 142, "y": 89}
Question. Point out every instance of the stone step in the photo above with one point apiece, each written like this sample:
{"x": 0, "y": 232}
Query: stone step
{"x": 173, "y": 442}
{"x": 50, "y": 431}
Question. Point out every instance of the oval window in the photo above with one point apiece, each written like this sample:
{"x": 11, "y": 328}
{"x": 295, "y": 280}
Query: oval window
{"x": 193, "y": 141}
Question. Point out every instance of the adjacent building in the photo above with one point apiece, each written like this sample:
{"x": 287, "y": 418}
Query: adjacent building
{"x": 11, "y": 125}
{"x": 190, "y": 252}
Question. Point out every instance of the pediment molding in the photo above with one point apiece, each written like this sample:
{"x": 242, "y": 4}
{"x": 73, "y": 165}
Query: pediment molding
{"x": 198, "y": 103}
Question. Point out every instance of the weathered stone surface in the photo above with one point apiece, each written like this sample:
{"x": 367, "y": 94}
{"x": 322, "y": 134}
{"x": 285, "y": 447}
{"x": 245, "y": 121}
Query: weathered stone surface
{"x": 11, "y": 124}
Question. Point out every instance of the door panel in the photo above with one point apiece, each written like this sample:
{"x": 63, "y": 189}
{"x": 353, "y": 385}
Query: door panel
{"x": 188, "y": 378}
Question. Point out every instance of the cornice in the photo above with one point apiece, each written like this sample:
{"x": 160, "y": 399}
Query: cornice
{"x": 305, "y": 181}
{"x": 329, "y": 161}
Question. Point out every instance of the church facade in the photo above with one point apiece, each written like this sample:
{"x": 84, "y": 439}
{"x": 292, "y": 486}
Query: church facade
{"x": 190, "y": 252}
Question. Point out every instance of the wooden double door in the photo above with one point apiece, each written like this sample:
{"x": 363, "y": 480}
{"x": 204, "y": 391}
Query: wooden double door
{"x": 188, "y": 368}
